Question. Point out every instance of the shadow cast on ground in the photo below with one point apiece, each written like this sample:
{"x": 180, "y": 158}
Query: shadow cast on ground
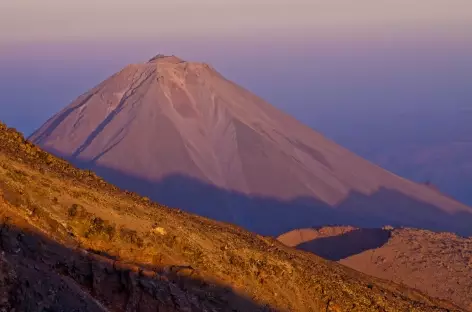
{"x": 348, "y": 244}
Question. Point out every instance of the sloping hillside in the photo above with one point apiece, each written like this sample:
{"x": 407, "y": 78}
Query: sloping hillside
{"x": 68, "y": 239}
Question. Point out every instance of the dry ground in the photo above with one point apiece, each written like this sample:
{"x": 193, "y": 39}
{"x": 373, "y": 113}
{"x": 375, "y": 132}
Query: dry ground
{"x": 70, "y": 241}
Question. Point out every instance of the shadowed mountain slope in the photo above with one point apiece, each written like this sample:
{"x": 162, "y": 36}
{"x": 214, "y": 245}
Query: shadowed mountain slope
{"x": 69, "y": 239}
{"x": 439, "y": 264}
{"x": 179, "y": 128}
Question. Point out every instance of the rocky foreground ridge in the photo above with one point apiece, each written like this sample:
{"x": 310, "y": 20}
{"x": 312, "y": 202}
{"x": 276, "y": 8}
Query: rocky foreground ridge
{"x": 70, "y": 241}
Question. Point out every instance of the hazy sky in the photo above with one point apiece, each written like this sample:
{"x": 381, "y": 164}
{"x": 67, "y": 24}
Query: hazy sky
{"x": 39, "y": 20}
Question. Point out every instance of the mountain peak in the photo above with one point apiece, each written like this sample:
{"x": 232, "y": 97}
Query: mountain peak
{"x": 180, "y": 129}
{"x": 161, "y": 58}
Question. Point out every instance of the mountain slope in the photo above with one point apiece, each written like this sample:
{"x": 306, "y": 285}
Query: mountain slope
{"x": 68, "y": 240}
{"x": 439, "y": 264}
{"x": 182, "y": 134}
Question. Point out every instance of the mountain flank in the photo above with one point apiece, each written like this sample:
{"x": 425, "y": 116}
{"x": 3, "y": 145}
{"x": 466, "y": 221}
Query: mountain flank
{"x": 439, "y": 264}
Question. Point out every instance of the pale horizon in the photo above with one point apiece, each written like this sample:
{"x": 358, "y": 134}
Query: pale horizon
{"x": 56, "y": 20}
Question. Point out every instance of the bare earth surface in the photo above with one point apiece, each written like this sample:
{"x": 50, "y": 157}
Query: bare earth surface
{"x": 180, "y": 133}
{"x": 439, "y": 264}
{"x": 71, "y": 242}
